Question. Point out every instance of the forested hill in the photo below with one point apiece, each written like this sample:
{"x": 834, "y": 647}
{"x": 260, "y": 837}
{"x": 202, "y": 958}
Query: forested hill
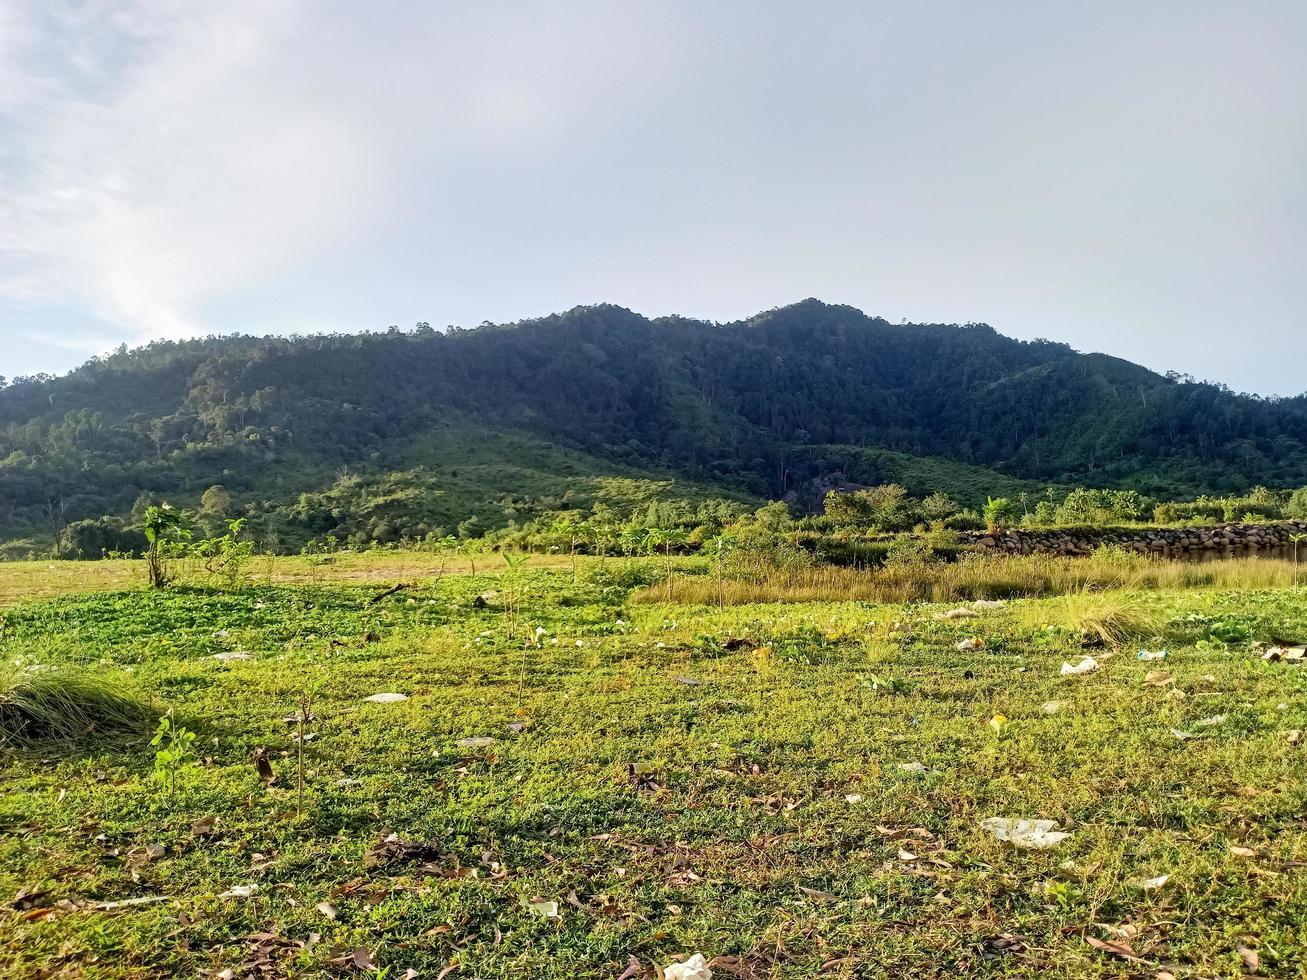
{"x": 756, "y": 408}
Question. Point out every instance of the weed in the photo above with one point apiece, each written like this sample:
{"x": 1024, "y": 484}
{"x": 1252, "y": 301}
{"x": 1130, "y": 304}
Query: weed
{"x": 174, "y": 747}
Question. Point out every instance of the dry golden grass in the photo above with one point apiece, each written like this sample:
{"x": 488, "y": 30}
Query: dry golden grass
{"x": 29, "y": 580}
{"x": 979, "y": 577}
{"x": 32, "y": 580}
{"x": 1110, "y": 618}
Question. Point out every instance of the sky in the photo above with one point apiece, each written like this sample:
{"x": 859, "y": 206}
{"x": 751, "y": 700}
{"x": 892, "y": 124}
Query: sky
{"x": 1124, "y": 177}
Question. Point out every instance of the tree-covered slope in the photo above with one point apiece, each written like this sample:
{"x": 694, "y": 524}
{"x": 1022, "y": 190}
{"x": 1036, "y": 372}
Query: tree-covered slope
{"x": 757, "y": 407}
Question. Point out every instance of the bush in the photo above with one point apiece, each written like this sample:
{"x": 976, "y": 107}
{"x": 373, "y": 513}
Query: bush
{"x": 99, "y": 537}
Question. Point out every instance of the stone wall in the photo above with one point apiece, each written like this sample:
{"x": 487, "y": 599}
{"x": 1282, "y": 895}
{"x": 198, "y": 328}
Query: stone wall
{"x": 1196, "y": 542}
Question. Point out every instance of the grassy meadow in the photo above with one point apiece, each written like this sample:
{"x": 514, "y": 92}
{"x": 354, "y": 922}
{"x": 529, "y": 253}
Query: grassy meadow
{"x": 585, "y": 779}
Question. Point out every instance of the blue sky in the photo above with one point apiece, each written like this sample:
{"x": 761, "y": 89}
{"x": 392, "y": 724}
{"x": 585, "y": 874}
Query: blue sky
{"x": 1124, "y": 177}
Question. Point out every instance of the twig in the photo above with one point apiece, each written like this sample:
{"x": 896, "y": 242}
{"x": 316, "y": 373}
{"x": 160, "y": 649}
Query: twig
{"x": 389, "y": 592}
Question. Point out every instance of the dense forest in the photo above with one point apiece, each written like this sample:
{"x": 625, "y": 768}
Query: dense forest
{"x": 382, "y": 434}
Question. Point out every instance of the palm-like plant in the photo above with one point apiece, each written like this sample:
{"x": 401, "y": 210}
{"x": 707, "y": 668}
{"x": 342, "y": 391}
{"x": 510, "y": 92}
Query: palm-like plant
{"x": 467, "y": 546}
{"x": 443, "y": 547}
{"x": 633, "y": 539}
{"x": 719, "y": 547}
{"x": 1297, "y": 539}
{"x": 665, "y": 538}
{"x": 572, "y": 530}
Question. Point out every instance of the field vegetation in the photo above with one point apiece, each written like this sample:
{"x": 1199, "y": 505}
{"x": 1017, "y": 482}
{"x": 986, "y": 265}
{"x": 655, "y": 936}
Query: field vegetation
{"x": 576, "y": 765}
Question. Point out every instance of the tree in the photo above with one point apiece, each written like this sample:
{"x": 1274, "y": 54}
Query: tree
{"x": 97, "y": 538}
{"x": 882, "y": 508}
{"x": 216, "y": 500}
{"x": 998, "y": 512}
{"x": 938, "y": 507}
{"x": 1297, "y": 506}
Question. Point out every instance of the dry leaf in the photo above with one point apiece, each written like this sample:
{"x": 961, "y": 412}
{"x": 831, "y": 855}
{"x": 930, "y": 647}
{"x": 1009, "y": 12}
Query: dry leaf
{"x": 1251, "y": 961}
{"x": 362, "y": 959}
{"x": 819, "y": 895}
{"x": 1120, "y": 949}
{"x": 204, "y": 827}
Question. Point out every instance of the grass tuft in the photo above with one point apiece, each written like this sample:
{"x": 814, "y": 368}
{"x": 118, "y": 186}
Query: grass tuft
{"x": 1110, "y": 618}
{"x": 64, "y": 704}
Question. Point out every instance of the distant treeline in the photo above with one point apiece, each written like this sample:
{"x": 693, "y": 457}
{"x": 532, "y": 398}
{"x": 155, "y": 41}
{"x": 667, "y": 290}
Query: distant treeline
{"x": 852, "y": 523}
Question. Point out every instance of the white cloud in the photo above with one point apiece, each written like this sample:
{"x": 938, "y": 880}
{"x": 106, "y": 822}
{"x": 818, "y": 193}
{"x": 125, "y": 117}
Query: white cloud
{"x": 143, "y": 188}
{"x": 171, "y": 153}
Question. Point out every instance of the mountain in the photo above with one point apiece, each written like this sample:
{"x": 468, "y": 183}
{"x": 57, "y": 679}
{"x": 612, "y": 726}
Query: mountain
{"x": 505, "y": 421}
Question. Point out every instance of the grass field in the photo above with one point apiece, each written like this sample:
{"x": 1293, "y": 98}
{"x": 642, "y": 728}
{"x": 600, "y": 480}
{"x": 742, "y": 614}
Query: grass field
{"x": 24, "y": 581}
{"x": 792, "y": 790}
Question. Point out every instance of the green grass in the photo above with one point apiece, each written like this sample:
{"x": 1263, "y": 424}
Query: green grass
{"x": 759, "y": 814}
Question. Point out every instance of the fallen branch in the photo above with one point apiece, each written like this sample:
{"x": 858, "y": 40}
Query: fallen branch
{"x": 389, "y": 592}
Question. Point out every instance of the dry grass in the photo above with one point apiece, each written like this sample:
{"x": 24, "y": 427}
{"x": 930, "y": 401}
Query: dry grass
{"x": 1110, "y": 618}
{"x": 979, "y": 577}
{"x": 22, "y": 581}
{"x": 65, "y": 704}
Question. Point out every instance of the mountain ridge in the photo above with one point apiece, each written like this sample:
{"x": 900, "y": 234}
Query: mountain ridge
{"x": 736, "y": 405}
